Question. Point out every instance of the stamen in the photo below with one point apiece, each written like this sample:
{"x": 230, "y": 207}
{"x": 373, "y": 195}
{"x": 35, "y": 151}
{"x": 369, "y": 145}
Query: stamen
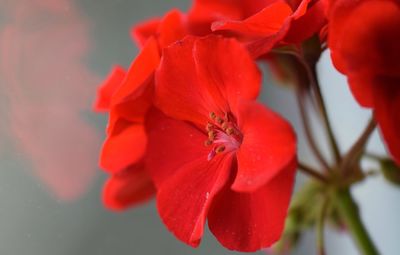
{"x": 220, "y": 149}
{"x": 212, "y": 115}
{"x": 211, "y": 135}
{"x": 223, "y": 134}
{"x": 219, "y": 120}
{"x": 229, "y": 131}
{"x": 207, "y": 142}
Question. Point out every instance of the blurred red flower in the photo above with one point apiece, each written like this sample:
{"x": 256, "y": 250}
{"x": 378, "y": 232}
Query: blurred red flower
{"x": 364, "y": 40}
{"x": 40, "y": 75}
{"x": 215, "y": 153}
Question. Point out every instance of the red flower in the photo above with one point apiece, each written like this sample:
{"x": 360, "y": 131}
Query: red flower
{"x": 278, "y": 23}
{"x": 364, "y": 40}
{"x": 122, "y": 152}
{"x": 127, "y": 97}
{"x": 214, "y": 153}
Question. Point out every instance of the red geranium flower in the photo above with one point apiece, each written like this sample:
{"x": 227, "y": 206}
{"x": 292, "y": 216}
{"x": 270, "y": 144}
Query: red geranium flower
{"x": 122, "y": 152}
{"x": 364, "y": 40}
{"x": 214, "y": 153}
{"x": 127, "y": 97}
{"x": 125, "y": 145}
{"x": 278, "y": 23}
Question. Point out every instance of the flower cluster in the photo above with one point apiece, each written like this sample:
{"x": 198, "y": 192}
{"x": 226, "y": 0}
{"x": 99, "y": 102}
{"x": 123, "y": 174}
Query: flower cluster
{"x": 185, "y": 124}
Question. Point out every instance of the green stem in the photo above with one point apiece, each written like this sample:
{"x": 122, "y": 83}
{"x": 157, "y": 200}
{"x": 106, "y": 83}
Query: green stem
{"x": 320, "y": 100}
{"x": 320, "y": 228}
{"x": 312, "y": 75}
{"x": 349, "y": 213}
{"x": 353, "y": 156}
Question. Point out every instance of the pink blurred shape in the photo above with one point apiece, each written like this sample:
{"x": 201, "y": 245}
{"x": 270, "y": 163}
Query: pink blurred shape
{"x": 48, "y": 88}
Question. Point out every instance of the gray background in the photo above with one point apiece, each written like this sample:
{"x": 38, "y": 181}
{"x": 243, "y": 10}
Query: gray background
{"x": 35, "y": 222}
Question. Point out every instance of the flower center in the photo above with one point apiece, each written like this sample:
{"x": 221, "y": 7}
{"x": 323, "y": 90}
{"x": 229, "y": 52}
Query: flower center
{"x": 223, "y": 134}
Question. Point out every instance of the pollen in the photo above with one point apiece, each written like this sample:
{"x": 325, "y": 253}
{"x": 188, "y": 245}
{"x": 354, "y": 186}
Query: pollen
{"x": 213, "y": 115}
{"x": 211, "y": 135}
{"x": 220, "y": 149}
{"x": 208, "y": 142}
{"x": 229, "y": 131}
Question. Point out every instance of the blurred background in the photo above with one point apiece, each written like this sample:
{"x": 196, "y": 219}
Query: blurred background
{"x": 53, "y": 54}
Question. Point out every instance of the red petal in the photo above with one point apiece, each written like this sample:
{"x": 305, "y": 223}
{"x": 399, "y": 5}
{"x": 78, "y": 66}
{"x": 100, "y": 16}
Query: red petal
{"x": 128, "y": 188}
{"x": 269, "y": 145}
{"x": 205, "y": 78}
{"x": 144, "y": 31}
{"x": 135, "y": 109}
{"x": 184, "y": 199}
{"x": 301, "y": 8}
{"x": 124, "y": 146}
{"x": 265, "y": 23}
{"x": 171, "y": 29}
{"x": 362, "y": 88}
{"x": 139, "y": 75}
{"x": 310, "y": 23}
{"x": 254, "y": 6}
{"x": 262, "y": 46}
{"x": 363, "y": 36}
{"x": 107, "y": 89}
{"x": 186, "y": 99}
{"x": 204, "y": 12}
{"x": 248, "y": 222}
{"x": 387, "y": 105}
{"x": 171, "y": 144}
{"x": 166, "y": 30}
{"x": 230, "y": 76}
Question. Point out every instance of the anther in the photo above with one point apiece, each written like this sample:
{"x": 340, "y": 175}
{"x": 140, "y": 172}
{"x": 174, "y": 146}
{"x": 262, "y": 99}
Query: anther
{"x": 212, "y": 115}
{"x": 209, "y": 127}
{"x": 220, "y": 149}
{"x": 207, "y": 142}
{"x": 211, "y": 135}
{"x": 229, "y": 131}
{"x": 224, "y": 125}
{"x": 219, "y": 120}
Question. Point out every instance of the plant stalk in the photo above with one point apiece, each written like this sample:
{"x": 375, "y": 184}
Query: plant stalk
{"x": 349, "y": 213}
{"x": 320, "y": 228}
{"x": 308, "y": 132}
{"x": 312, "y": 172}
{"x": 320, "y": 100}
